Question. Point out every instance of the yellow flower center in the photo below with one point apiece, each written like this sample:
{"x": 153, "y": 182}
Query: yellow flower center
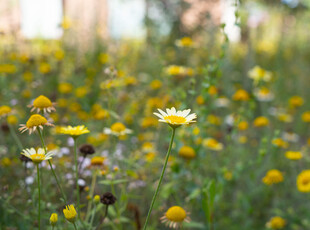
{"x": 37, "y": 158}
{"x": 36, "y": 120}
{"x": 176, "y": 214}
{"x": 305, "y": 181}
{"x": 118, "y": 127}
{"x": 42, "y": 102}
{"x": 175, "y": 119}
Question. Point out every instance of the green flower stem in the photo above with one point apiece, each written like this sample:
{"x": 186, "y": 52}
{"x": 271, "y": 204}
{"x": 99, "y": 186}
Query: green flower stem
{"x": 51, "y": 167}
{"x": 92, "y": 217}
{"x": 74, "y": 226}
{"x": 91, "y": 194}
{"x": 77, "y": 177}
{"x": 39, "y": 208}
{"x": 15, "y": 137}
{"x": 160, "y": 179}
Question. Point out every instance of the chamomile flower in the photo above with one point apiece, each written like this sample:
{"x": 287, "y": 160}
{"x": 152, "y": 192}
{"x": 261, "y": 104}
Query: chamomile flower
{"x": 35, "y": 121}
{"x": 117, "y": 129}
{"x": 175, "y": 216}
{"x": 42, "y": 103}
{"x": 37, "y": 156}
{"x": 176, "y": 118}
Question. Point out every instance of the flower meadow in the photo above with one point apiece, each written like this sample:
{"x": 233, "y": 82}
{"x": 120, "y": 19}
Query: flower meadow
{"x": 186, "y": 131}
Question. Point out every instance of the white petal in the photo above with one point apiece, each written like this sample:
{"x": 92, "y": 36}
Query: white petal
{"x": 162, "y": 113}
{"x": 159, "y": 115}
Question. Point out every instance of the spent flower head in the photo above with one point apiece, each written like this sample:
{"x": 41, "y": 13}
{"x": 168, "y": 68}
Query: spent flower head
{"x": 35, "y": 121}
{"x": 42, "y": 103}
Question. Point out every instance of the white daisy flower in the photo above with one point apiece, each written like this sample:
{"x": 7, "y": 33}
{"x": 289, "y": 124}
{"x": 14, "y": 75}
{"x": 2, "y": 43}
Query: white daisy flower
{"x": 176, "y": 118}
{"x": 37, "y": 156}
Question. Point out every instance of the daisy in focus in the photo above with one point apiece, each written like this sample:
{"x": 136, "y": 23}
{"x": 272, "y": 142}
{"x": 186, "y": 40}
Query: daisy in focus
{"x": 175, "y": 216}
{"x": 74, "y": 131}
{"x": 42, "y": 103}
{"x": 34, "y": 122}
{"x": 176, "y": 118}
{"x": 37, "y": 156}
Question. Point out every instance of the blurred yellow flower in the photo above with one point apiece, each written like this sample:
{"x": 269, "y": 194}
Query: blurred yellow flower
{"x": 103, "y": 58}
{"x": 12, "y": 120}
{"x": 81, "y": 91}
{"x": 59, "y": 54}
{"x": 5, "y": 111}
{"x": 149, "y": 122}
{"x": 44, "y": 68}
{"x": 200, "y": 100}
{"x": 273, "y": 176}
{"x": 53, "y": 219}
{"x": 241, "y": 95}
{"x": 303, "y": 181}
{"x": 97, "y": 161}
{"x": 65, "y": 88}
{"x": 212, "y": 90}
{"x": 243, "y": 125}
{"x": 284, "y": 117}
{"x": 259, "y": 74}
{"x": 187, "y": 152}
{"x": 7, "y": 68}
{"x": 293, "y": 155}
{"x": 156, "y": 84}
{"x": 117, "y": 129}
{"x": 214, "y": 120}
{"x": 306, "y": 116}
{"x": 185, "y": 42}
{"x": 149, "y": 157}
{"x": 280, "y": 143}
{"x": 263, "y": 94}
{"x": 296, "y": 101}
{"x": 261, "y": 121}
{"x": 27, "y": 76}
{"x": 213, "y": 144}
{"x": 276, "y": 222}
{"x": 74, "y": 131}
{"x": 66, "y": 23}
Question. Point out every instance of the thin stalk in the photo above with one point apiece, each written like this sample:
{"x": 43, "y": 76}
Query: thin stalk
{"x": 160, "y": 179}
{"x": 15, "y": 137}
{"x": 51, "y": 166}
{"x": 105, "y": 215}
{"x": 39, "y": 208}
{"x": 92, "y": 217}
{"x": 77, "y": 178}
{"x": 91, "y": 194}
{"x": 74, "y": 226}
